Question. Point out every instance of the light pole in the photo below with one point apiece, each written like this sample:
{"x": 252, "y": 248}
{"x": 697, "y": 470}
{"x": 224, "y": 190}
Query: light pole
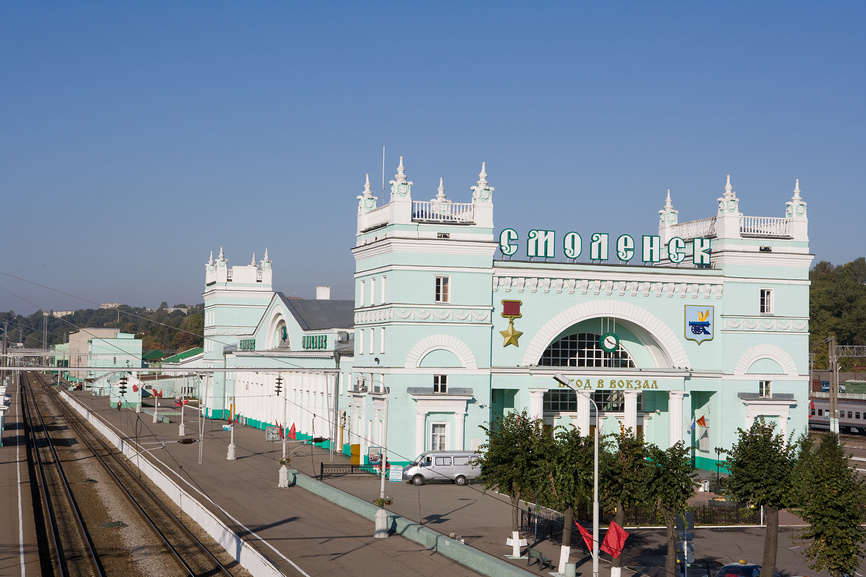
{"x": 381, "y": 516}
{"x": 566, "y": 382}
{"x": 718, "y": 465}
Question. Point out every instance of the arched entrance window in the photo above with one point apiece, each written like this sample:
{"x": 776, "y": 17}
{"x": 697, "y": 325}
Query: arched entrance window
{"x": 583, "y": 350}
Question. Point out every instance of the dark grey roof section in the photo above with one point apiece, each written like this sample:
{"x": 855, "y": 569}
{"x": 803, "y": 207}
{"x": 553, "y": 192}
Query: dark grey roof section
{"x": 455, "y": 391}
{"x": 775, "y": 397}
{"x": 317, "y": 315}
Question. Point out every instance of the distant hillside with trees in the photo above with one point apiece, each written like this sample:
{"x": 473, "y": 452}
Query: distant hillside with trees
{"x": 158, "y": 329}
{"x": 837, "y": 306}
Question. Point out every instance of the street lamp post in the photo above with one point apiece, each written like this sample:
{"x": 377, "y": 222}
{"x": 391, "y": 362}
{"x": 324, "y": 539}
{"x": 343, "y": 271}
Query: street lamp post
{"x": 566, "y": 382}
{"x": 381, "y": 531}
{"x": 718, "y": 465}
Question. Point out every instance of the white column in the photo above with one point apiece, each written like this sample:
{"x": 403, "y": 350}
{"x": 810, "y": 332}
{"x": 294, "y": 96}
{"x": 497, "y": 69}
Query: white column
{"x": 459, "y": 426}
{"x": 536, "y": 403}
{"x": 420, "y": 433}
{"x": 630, "y": 416}
{"x": 675, "y": 413}
{"x": 581, "y": 421}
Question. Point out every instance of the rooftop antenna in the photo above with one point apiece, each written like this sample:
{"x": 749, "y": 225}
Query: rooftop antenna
{"x": 383, "y": 169}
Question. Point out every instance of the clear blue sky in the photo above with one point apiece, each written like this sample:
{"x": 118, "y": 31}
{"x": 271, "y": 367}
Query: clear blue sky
{"x": 135, "y": 138}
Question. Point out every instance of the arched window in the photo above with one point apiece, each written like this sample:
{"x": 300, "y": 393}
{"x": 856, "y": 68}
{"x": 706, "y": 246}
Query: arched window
{"x": 583, "y": 350}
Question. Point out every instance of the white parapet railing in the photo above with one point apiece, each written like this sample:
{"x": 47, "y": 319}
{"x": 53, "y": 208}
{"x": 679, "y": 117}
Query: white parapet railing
{"x": 706, "y": 227}
{"x": 443, "y": 211}
{"x": 375, "y": 218}
{"x": 765, "y": 226}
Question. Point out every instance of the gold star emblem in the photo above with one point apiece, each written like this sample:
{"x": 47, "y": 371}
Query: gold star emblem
{"x": 510, "y": 335}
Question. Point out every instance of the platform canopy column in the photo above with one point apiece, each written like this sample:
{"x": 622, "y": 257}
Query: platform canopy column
{"x": 675, "y": 411}
{"x": 536, "y": 403}
{"x": 630, "y": 416}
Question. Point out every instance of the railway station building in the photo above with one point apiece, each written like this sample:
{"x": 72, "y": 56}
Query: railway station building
{"x": 687, "y": 333}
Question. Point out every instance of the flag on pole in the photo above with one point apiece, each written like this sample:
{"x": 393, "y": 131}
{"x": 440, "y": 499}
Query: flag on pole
{"x": 692, "y": 424}
{"x": 293, "y": 433}
{"x": 614, "y": 540}
{"x": 282, "y": 432}
{"x": 587, "y": 538}
{"x": 702, "y": 422}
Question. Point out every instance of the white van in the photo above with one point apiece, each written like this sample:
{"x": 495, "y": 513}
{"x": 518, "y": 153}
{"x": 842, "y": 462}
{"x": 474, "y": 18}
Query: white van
{"x": 457, "y": 466}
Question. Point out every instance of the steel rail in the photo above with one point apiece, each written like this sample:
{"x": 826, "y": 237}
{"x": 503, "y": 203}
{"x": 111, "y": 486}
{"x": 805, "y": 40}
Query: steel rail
{"x": 79, "y": 520}
{"x": 72, "y": 419}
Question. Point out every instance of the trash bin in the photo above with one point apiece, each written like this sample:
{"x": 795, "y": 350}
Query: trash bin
{"x": 705, "y": 486}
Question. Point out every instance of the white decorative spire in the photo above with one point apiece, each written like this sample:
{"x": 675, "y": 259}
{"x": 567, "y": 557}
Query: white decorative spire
{"x": 440, "y": 196}
{"x": 210, "y": 261}
{"x": 368, "y": 190}
{"x": 253, "y": 263}
{"x": 482, "y": 176}
{"x": 400, "y": 177}
{"x": 796, "y": 190}
{"x": 221, "y": 257}
{"x": 668, "y": 204}
{"x": 266, "y": 259}
{"x": 729, "y": 191}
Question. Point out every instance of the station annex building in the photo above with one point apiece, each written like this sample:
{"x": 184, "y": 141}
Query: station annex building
{"x": 694, "y": 332}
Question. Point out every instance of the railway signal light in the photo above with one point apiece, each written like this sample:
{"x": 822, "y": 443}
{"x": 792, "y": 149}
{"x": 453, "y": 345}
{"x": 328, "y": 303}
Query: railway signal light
{"x": 279, "y": 386}
{"x": 122, "y": 387}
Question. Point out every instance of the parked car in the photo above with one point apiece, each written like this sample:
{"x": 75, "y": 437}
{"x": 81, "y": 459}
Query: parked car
{"x": 459, "y": 467}
{"x": 741, "y": 569}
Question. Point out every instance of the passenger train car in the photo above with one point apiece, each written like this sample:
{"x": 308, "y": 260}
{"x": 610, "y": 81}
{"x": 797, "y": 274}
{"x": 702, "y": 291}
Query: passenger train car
{"x": 852, "y": 413}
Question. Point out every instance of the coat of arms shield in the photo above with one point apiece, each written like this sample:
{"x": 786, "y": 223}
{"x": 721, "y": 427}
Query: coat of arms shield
{"x": 699, "y": 323}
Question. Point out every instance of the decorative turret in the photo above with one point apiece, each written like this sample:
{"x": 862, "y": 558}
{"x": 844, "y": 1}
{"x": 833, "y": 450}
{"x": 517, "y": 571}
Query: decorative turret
{"x": 795, "y": 211}
{"x": 482, "y": 197}
{"x": 728, "y": 216}
{"x": 668, "y": 217}
{"x": 366, "y": 200}
{"x": 401, "y": 197}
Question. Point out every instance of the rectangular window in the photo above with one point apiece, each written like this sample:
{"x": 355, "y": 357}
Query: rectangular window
{"x": 849, "y": 414}
{"x": 360, "y": 340}
{"x": 766, "y": 301}
{"x": 440, "y": 383}
{"x": 764, "y": 389}
{"x": 437, "y": 437}
{"x": 460, "y": 461}
{"x": 820, "y": 412}
{"x": 442, "y": 461}
{"x": 857, "y": 415}
{"x": 372, "y": 340}
{"x": 442, "y": 289}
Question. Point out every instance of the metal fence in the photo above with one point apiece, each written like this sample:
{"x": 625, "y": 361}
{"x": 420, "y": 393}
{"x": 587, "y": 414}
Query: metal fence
{"x": 547, "y": 524}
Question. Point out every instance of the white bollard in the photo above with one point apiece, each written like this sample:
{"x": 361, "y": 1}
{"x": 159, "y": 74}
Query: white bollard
{"x": 381, "y": 524}
{"x": 284, "y": 477}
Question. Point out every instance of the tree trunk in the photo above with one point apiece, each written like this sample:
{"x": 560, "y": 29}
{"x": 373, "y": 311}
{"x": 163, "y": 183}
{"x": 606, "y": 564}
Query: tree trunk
{"x": 515, "y": 524}
{"x": 671, "y": 559}
{"x": 565, "y": 550}
{"x": 771, "y": 541}
{"x": 616, "y": 564}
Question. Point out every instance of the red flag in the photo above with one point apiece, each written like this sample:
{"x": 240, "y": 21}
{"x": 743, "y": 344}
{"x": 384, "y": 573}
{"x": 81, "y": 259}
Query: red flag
{"x": 614, "y": 540}
{"x": 134, "y": 388}
{"x": 282, "y": 432}
{"x": 587, "y": 538}
{"x": 293, "y": 433}
{"x": 702, "y": 422}
{"x": 157, "y": 393}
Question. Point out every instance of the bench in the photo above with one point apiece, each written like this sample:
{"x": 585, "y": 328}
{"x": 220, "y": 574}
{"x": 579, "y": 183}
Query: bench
{"x": 535, "y": 554}
{"x": 343, "y": 469}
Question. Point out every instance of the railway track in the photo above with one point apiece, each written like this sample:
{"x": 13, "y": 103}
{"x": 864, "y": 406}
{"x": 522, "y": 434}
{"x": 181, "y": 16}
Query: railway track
{"x": 99, "y": 517}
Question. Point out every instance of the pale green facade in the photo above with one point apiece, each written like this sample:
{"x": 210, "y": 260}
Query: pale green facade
{"x": 454, "y": 324}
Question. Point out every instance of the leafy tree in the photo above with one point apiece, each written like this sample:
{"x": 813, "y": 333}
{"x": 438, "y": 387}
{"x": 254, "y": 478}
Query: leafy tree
{"x": 511, "y": 460}
{"x": 762, "y": 472}
{"x": 670, "y": 483}
{"x": 622, "y": 468}
{"x": 837, "y": 306}
{"x": 834, "y": 507}
{"x": 565, "y": 482}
